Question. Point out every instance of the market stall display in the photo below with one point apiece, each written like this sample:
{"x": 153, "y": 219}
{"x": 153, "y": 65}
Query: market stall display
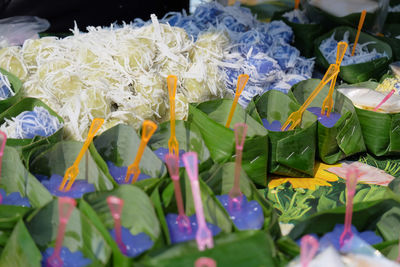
{"x": 202, "y": 139}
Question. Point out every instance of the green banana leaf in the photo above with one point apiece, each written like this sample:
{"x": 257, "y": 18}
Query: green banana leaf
{"x": 381, "y": 132}
{"x": 9, "y": 217}
{"x": 16, "y": 86}
{"x": 220, "y": 179}
{"x": 164, "y": 201}
{"x": 391, "y": 31}
{"x": 138, "y": 213}
{"x": 266, "y": 9}
{"x": 393, "y": 17}
{"x": 368, "y": 215}
{"x": 15, "y": 178}
{"x": 304, "y": 34}
{"x": 118, "y": 258}
{"x": 246, "y": 248}
{"x": 20, "y": 250}
{"x": 25, "y": 146}
{"x": 345, "y": 137}
{"x": 188, "y": 136}
{"x": 220, "y": 140}
{"x": 378, "y": 216}
{"x": 291, "y": 153}
{"x": 61, "y": 156}
{"x": 218, "y": 110}
{"x": 330, "y": 21}
{"x": 80, "y": 233}
{"x": 120, "y": 144}
{"x": 357, "y": 72}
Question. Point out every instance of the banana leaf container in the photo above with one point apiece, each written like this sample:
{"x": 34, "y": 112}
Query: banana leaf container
{"x": 291, "y": 153}
{"x": 381, "y": 131}
{"x": 344, "y": 138}
{"x": 360, "y": 72}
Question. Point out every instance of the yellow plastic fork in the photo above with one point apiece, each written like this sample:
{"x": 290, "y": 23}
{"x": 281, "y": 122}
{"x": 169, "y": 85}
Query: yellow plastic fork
{"x": 148, "y": 129}
{"x": 327, "y": 105}
{"x": 72, "y": 172}
{"x": 173, "y": 144}
{"x": 241, "y": 83}
{"x": 295, "y": 118}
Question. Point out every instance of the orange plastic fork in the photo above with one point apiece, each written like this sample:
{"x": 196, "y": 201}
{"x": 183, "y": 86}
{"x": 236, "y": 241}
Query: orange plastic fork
{"x": 148, "y": 129}
{"x": 327, "y": 105}
{"x": 360, "y": 24}
{"x": 295, "y": 118}
{"x": 72, "y": 172}
{"x": 241, "y": 83}
{"x": 173, "y": 144}
{"x": 296, "y": 4}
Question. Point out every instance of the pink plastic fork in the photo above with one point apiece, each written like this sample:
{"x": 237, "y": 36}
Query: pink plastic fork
{"x": 204, "y": 237}
{"x": 351, "y": 182}
{"x": 205, "y": 262}
{"x": 235, "y": 195}
{"x": 65, "y": 207}
{"x": 309, "y": 247}
{"x": 384, "y": 100}
{"x": 173, "y": 169}
{"x": 3, "y": 140}
{"x": 115, "y": 204}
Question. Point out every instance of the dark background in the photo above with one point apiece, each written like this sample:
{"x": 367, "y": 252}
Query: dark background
{"x": 62, "y": 13}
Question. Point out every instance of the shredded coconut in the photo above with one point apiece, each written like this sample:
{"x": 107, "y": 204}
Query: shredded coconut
{"x": 297, "y": 16}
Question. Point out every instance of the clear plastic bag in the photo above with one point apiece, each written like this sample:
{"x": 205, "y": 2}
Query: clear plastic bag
{"x": 15, "y": 30}
{"x": 347, "y": 12}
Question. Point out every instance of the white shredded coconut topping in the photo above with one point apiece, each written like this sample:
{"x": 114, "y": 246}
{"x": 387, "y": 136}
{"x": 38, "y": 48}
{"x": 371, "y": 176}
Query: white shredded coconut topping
{"x": 118, "y": 73}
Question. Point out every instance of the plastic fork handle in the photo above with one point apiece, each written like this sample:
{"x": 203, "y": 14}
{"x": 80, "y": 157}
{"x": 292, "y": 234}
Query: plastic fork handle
{"x": 178, "y": 197}
{"x": 148, "y": 130}
{"x": 139, "y": 153}
{"x": 197, "y": 203}
{"x": 94, "y": 128}
{"x": 332, "y": 70}
{"x": 241, "y": 83}
{"x": 60, "y": 237}
{"x": 360, "y": 24}
{"x": 341, "y": 51}
{"x": 3, "y": 143}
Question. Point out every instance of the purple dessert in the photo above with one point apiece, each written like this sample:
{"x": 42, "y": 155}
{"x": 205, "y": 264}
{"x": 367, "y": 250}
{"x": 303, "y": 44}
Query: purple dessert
{"x": 72, "y": 259}
{"x": 328, "y": 122}
{"x": 178, "y": 236}
{"x": 275, "y": 126}
{"x": 119, "y": 173}
{"x": 332, "y": 238}
{"x": 78, "y": 188}
{"x": 14, "y": 199}
{"x": 249, "y": 216}
{"x": 134, "y": 244}
{"x": 162, "y": 152}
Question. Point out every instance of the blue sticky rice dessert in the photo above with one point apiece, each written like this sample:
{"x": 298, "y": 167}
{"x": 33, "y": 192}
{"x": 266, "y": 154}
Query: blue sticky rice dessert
{"x": 70, "y": 259}
{"x": 78, "y": 188}
{"x": 248, "y": 217}
{"x": 119, "y": 173}
{"x": 177, "y": 236}
{"x": 134, "y": 244}
{"x": 14, "y": 199}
